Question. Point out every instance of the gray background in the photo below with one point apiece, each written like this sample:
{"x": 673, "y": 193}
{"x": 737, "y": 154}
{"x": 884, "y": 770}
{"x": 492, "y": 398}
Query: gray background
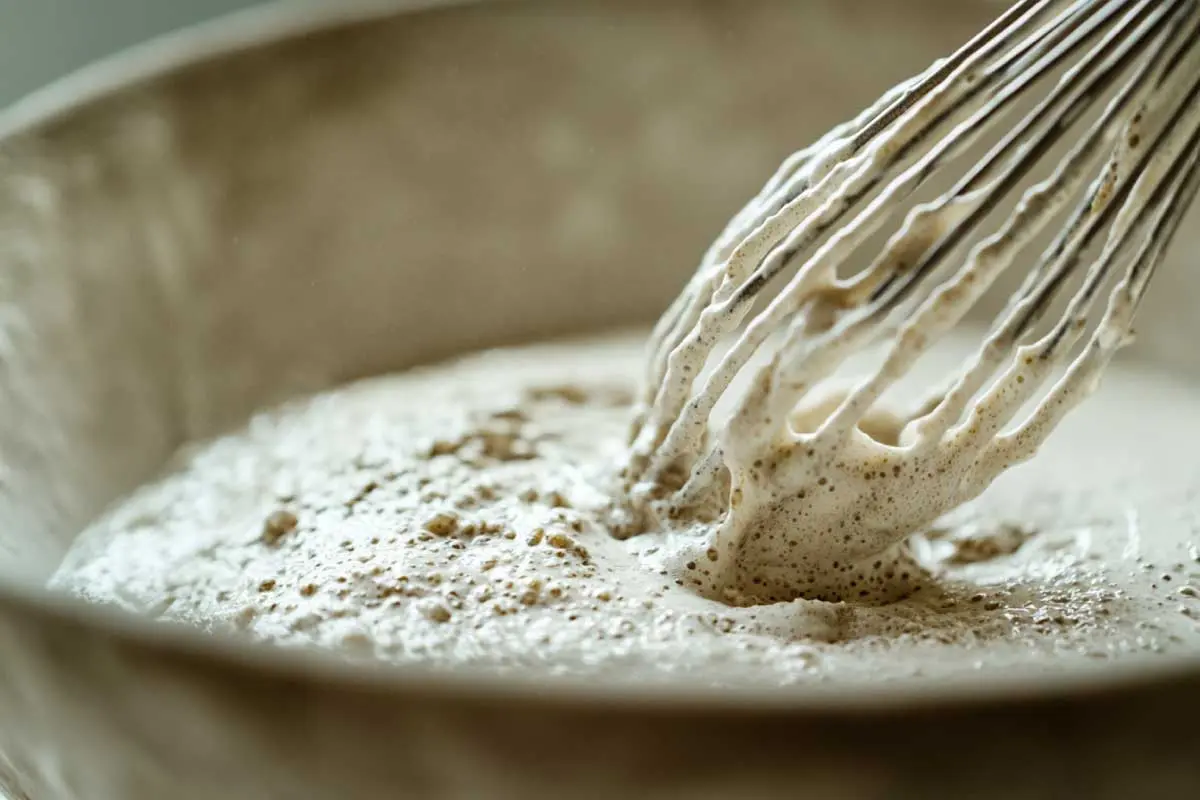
{"x": 41, "y": 40}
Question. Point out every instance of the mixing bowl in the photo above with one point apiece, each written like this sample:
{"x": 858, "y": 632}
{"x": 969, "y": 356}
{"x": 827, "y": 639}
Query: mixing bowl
{"x": 304, "y": 195}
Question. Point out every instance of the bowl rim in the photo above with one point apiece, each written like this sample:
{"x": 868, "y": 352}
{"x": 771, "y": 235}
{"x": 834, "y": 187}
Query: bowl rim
{"x": 280, "y": 21}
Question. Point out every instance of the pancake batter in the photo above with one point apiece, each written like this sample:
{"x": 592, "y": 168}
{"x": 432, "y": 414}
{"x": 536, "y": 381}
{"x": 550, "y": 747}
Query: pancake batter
{"x": 461, "y": 515}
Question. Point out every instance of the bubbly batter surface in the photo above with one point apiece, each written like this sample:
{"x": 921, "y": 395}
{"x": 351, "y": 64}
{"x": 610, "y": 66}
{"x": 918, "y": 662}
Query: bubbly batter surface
{"x": 459, "y": 514}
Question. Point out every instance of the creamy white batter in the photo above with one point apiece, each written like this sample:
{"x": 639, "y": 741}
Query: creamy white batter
{"x": 460, "y": 514}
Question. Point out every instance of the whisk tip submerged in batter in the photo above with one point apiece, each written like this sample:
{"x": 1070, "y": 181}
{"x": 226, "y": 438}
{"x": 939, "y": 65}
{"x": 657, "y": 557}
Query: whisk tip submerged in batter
{"x": 813, "y": 495}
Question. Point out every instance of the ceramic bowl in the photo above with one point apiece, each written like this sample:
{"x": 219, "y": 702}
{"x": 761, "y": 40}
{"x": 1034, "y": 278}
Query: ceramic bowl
{"x": 299, "y": 196}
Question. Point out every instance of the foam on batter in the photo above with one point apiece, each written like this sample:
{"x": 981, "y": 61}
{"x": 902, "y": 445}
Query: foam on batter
{"x": 458, "y": 515}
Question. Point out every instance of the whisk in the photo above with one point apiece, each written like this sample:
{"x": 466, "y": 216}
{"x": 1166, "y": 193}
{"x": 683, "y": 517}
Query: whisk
{"x": 799, "y": 485}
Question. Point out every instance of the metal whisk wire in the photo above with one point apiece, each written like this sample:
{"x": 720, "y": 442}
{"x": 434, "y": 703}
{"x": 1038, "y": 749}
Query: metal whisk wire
{"x": 1128, "y": 179}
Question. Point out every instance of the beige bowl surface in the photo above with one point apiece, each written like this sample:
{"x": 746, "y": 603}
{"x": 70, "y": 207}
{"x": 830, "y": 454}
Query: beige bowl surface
{"x": 304, "y": 195}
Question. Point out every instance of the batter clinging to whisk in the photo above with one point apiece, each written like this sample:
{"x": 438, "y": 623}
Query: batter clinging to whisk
{"x": 802, "y": 478}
